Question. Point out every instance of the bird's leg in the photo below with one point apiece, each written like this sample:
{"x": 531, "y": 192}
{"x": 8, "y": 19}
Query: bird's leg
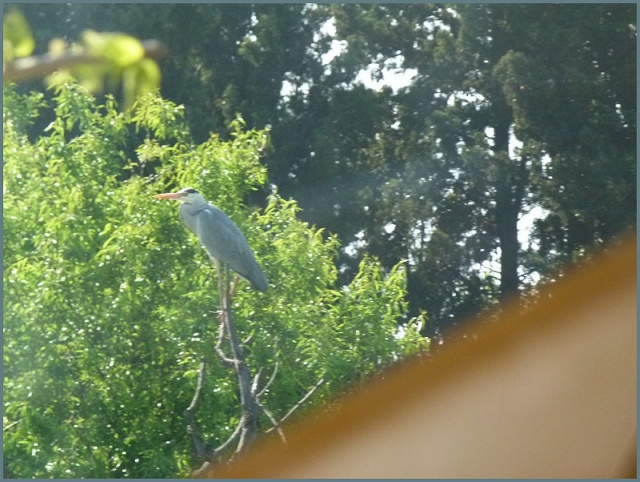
{"x": 220, "y": 290}
{"x": 226, "y": 299}
{"x": 227, "y": 276}
{"x": 236, "y": 278}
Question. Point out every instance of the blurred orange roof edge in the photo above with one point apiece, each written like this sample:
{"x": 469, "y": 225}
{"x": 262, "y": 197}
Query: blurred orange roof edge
{"x": 550, "y": 392}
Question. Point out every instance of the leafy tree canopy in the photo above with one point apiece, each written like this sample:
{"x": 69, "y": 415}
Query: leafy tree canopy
{"x": 109, "y": 302}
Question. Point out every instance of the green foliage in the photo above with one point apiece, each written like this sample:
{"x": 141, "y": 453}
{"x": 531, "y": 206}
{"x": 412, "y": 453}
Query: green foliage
{"x": 123, "y": 62}
{"x": 107, "y": 58}
{"x": 429, "y": 172}
{"x": 17, "y": 40}
{"x": 575, "y": 94}
{"x": 452, "y": 186}
{"x": 109, "y": 302}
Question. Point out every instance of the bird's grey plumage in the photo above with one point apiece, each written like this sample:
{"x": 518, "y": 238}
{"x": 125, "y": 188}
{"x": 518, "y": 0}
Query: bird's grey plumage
{"x": 220, "y": 236}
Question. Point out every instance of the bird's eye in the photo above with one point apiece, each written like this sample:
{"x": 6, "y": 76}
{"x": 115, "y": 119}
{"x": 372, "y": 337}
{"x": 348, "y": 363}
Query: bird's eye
{"x": 191, "y": 191}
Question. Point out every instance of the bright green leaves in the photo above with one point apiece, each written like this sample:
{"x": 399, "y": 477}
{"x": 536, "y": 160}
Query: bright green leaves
{"x": 316, "y": 329}
{"x": 224, "y": 170}
{"x": 119, "y": 49}
{"x": 113, "y": 58}
{"x": 164, "y": 119}
{"x": 58, "y": 299}
{"x": 125, "y": 58}
{"x": 110, "y": 302}
{"x": 17, "y": 40}
{"x": 100, "y": 60}
{"x": 140, "y": 78}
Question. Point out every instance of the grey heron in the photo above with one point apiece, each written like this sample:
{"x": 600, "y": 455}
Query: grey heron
{"x": 219, "y": 235}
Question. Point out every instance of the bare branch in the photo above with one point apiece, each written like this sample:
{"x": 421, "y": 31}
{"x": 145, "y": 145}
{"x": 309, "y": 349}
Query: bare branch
{"x": 256, "y": 380}
{"x": 203, "y": 472}
{"x": 202, "y": 450}
{"x": 218, "y": 347}
{"x": 10, "y": 425}
{"x": 248, "y": 339}
{"x": 302, "y": 400}
{"x": 274, "y": 422}
{"x": 248, "y": 402}
{"x": 266, "y": 387}
{"x": 218, "y": 450}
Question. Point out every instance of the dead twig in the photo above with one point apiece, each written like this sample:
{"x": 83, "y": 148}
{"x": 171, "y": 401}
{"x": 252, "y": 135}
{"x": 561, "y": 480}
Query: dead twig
{"x": 201, "y": 448}
{"x": 274, "y": 422}
{"x": 232, "y": 438}
{"x": 218, "y": 347}
{"x": 256, "y": 380}
{"x": 266, "y": 387}
{"x": 299, "y": 404}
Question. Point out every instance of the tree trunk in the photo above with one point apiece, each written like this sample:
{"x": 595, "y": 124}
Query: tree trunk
{"x": 507, "y": 210}
{"x": 509, "y": 192}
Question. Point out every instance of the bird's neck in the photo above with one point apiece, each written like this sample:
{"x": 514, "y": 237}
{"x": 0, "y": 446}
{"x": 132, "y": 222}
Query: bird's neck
{"x": 192, "y": 208}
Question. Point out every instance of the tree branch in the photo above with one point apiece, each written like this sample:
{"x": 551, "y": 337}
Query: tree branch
{"x": 35, "y": 67}
{"x": 218, "y": 347}
{"x": 266, "y": 387}
{"x": 274, "y": 422}
{"x": 299, "y": 404}
{"x": 229, "y": 441}
{"x": 202, "y": 450}
{"x": 256, "y": 380}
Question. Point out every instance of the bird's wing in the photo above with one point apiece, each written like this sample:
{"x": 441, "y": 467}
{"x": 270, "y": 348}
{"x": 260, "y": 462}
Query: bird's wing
{"x": 223, "y": 240}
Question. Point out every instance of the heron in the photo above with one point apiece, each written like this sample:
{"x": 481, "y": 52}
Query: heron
{"x": 219, "y": 235}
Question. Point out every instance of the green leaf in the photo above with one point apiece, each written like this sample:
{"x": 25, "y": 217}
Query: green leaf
{"x": 17, "y": 38}
{"x": 110, "y": 303}
{"x": 119, "y": 49}
{"x": 138, "y": 79}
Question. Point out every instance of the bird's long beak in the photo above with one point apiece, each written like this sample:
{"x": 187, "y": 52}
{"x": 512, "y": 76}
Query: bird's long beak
{"x": 169, "y": 195}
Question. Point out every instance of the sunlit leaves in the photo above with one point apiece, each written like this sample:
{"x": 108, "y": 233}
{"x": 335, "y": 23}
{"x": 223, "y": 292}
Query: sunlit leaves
{"x": 110, "y": 303}
{"x": 17, "y": 40}
{"x": 120, "y": 49}
{"x": 99, "y": 60}
{"x": 112, "y": 57}
{"x": 164, "y": 119}
{"x": 140, "y": 78}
